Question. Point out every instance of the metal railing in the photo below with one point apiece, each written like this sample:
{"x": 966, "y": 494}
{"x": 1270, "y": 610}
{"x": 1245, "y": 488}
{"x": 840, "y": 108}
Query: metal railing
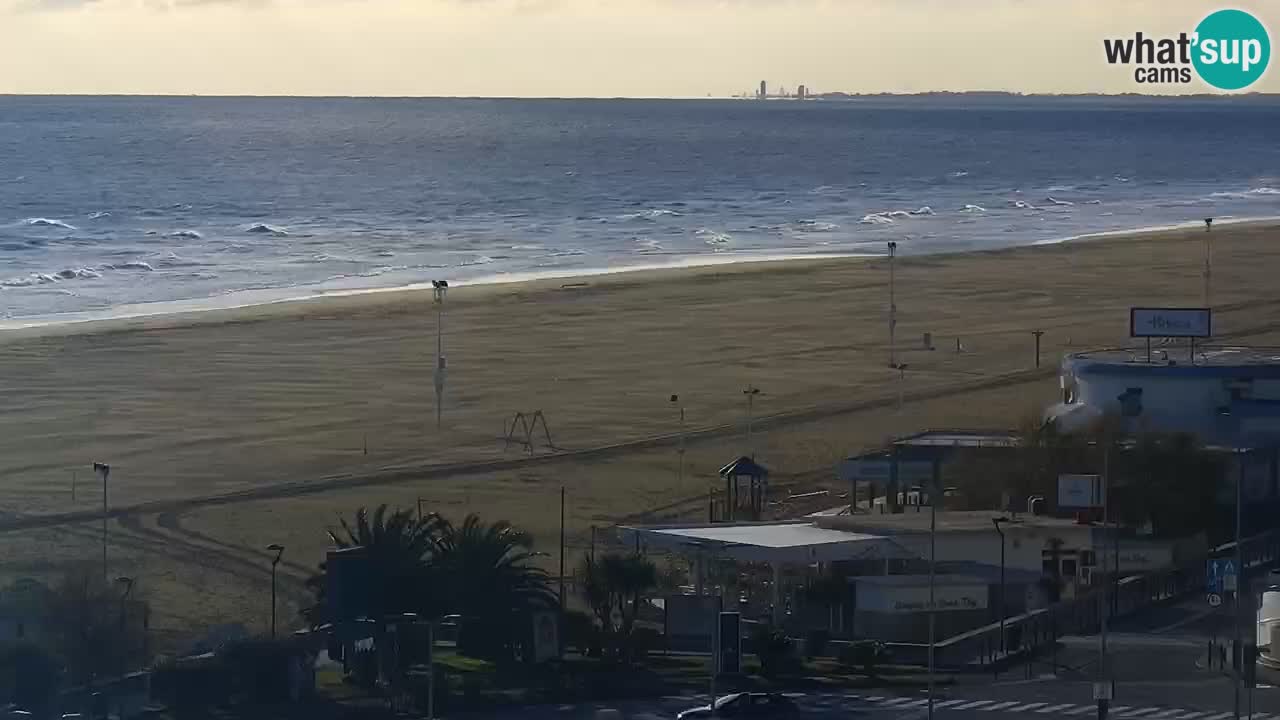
{"x": 1032, "y": 632}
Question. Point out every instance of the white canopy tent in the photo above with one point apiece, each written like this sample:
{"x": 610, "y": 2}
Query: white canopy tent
{"x": 775, "y": 543}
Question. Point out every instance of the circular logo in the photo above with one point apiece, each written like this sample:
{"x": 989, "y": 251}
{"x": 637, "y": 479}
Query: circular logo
{"x": 1231, "y": 49}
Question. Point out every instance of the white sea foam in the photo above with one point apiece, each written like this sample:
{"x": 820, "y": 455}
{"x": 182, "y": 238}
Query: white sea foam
{"x": 876, "y": 219}
{"x": 1023, "y": 205}
{"x": 1246, "y": 195}
{"x": 959, "y": 174}
{"x": 47, "y": 222}
{"x": 971, "y": 208}
{"x": 1055, "y": 201}
{"x": 99, "y": 215}
{"x": 265, "y": 229}
{"x": 653, "y": 214}
{"x": 815, "y": 226}
{"x": 129, "y": 265}
{"x": 1060, "y": 188}
{"x": 714, "y": 238}
{"x": 188, "y": 234}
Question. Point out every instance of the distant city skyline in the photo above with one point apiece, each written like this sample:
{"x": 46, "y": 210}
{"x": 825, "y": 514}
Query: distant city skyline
{"x": 582, "y": 48}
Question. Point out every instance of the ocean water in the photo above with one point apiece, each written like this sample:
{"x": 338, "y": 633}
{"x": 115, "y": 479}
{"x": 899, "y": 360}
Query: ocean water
{"x": 127, "y": 205}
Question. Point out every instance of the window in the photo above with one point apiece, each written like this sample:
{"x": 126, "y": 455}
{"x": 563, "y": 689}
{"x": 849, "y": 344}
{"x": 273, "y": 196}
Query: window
{"x": 1069, "y": 567}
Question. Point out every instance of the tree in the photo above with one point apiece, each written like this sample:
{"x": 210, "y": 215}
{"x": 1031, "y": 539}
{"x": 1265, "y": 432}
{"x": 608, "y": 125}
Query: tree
{"x": 92, "y": 627}
{"x": 400, "y": 550}
{"x": 491, "y": 581}
{"x": 615, "y": 582}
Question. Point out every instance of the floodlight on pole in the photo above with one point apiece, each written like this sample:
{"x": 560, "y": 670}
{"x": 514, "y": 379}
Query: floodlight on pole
{"x": 893, "y": 305}
{"x": 439, "y": 288}
{"x": 279, "y": 550}
{"x": 103, "y": 470}
{"x": 750, "y": 391}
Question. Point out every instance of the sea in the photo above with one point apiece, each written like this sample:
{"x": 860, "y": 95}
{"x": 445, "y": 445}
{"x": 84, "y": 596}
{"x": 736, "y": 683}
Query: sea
{"x": 118, "y": 206}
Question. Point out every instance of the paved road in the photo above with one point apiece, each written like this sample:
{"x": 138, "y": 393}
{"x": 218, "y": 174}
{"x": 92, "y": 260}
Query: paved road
{"x": 1049, "y": 699}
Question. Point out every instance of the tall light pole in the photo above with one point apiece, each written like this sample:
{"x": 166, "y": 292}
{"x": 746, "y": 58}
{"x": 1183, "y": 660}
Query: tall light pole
{"x": 103, "y": 470}
{"x": 1208, "y": 260}
{"x": 439, "y": 289}
{"x": 902, "y": 382}
{"x": 1039, "y": 334}
{"x": 935, "y": 495}
{"x": 1238, "y": 652}
{"x": 750, "y": 391}
{"x": 893, "y": 305}
{"x": 1104, "y": 607}
{"x": 279, "y": 550}
{"x": 675, "y": 400}
{"x": 1000, "y": 531}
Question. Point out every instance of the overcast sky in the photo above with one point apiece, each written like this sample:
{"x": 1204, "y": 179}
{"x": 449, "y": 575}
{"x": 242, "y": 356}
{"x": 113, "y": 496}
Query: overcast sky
{"x": 645, "y": 48}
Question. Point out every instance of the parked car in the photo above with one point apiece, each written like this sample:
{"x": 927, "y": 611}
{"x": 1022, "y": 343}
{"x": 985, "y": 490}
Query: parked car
{"x": 745, "y": 705}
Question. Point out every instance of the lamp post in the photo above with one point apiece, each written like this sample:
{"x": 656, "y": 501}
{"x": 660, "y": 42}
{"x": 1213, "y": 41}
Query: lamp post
{"x": 1000, "y": 531}
{"x": 902, "y": 382}
{"x": 1238, "y": 652}
{"x": 279, "y": 550}
{"x": 127, "y": 582}
{"x": 675, "y": 400}
{"x": 439, "y": 289}
{"x": 103, "y": 470}
{"x": 893, "y": 305}
{"x": 751, "y": 391}
{"x": 1208, "y": 257}
{"x": 1038, "y": 334}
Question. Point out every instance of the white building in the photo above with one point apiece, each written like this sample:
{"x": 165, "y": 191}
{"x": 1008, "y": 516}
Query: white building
{"x": 1225, "y": 396}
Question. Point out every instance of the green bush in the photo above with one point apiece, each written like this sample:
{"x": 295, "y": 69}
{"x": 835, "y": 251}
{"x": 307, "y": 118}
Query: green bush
{"x": 865, "y": 654}
{"x": 775, "y": 650}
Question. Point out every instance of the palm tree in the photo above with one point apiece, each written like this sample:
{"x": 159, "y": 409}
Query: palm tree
{"x": 400, "y": 550}
{"x": 618, "y": 582}
{"x": 492, "y": 582}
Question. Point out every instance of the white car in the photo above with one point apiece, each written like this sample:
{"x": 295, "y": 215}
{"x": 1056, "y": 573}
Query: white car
{"x": 745, "y": 705}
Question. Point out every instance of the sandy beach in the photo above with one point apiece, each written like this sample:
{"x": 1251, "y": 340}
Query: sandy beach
{"x": 340, "y": 390}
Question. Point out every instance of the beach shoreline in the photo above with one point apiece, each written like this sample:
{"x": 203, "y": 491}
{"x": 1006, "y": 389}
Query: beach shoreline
{"x": 278, "y": 302}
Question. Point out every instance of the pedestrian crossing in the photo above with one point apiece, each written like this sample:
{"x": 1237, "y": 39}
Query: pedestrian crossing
{"x": 1020, "y": 708}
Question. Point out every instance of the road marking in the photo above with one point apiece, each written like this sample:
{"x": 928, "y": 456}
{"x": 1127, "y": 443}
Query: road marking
{"x": 873, "y": 698}
{"x": 1028, "y": 706}
{"x": 948, "y": 703}
{"x": 1190, "y": 715}
{"x": 974, "y": 705}
{"x": 1082, "y": 710}
{"x": 1138, "y": 712}
{"x": 1002, "y": 706}
{"x": 1220, "y": 716}
{"x": 1166, "y": 714}
{"x": 896, "y": 701}
{"x": 1056, "y": 708}
{"x": 913, "y": 703}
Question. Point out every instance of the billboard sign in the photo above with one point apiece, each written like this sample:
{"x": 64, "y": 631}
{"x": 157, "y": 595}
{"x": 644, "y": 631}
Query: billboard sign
{"x": 1170, "y": 322}
{"x": 1079, "y": 491}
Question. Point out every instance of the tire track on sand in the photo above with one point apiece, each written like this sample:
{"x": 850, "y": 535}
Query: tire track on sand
{"x": 172, "y": 522}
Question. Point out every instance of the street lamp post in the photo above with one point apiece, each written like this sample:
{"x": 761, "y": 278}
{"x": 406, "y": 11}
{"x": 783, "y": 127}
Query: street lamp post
{"x": 1208, "y": 260}
{"x": 1000, "y": 531}
{"x": 751, "y": 391}
{"x": 675, "y": 400}
{"x": 279, "y": 550}
{"x": 1039, "y": 334}
{"x": 902, "y": 383}
{"x": 1238, "y": 652}
{"x": 104, "y": 470}
{"x": 439, "y": 289}
{"x": 893, "y": 305}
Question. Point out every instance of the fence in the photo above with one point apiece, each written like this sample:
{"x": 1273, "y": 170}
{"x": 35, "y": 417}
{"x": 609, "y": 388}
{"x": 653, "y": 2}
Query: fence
{"x": 1031, "y": 632}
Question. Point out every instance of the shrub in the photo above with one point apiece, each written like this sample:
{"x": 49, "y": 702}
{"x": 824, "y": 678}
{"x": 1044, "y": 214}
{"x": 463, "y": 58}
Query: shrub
{"x": 775, "y": 650}
{"x": 866, "y": 654}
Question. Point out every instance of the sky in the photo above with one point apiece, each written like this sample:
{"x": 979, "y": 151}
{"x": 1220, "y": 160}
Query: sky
{"x": 582, "y": 48}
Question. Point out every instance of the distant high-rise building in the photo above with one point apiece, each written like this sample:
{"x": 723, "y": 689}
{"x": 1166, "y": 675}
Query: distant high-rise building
{"x": 801, "y": 92}
{"x": 764, "y": 90}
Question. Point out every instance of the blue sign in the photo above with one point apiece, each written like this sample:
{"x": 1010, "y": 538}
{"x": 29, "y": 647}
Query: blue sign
{"x": 1220, "y": 575}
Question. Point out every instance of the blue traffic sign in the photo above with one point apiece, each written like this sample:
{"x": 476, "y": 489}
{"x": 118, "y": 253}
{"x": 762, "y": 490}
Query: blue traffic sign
{"x": 1221, "y": 575}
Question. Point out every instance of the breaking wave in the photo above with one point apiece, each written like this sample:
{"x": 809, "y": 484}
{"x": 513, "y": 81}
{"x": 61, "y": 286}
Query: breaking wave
{"x": 189, "y": 234}
{"x": 265, "y": 229}
{"x": 973, "y": 208}
{"x": 714, "y": 238}
{"x": 650, "y": 214}
{"x": 46, "y": 222}
{"x": 1055, "y": 201}
{"x": 1253, "y": 193}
